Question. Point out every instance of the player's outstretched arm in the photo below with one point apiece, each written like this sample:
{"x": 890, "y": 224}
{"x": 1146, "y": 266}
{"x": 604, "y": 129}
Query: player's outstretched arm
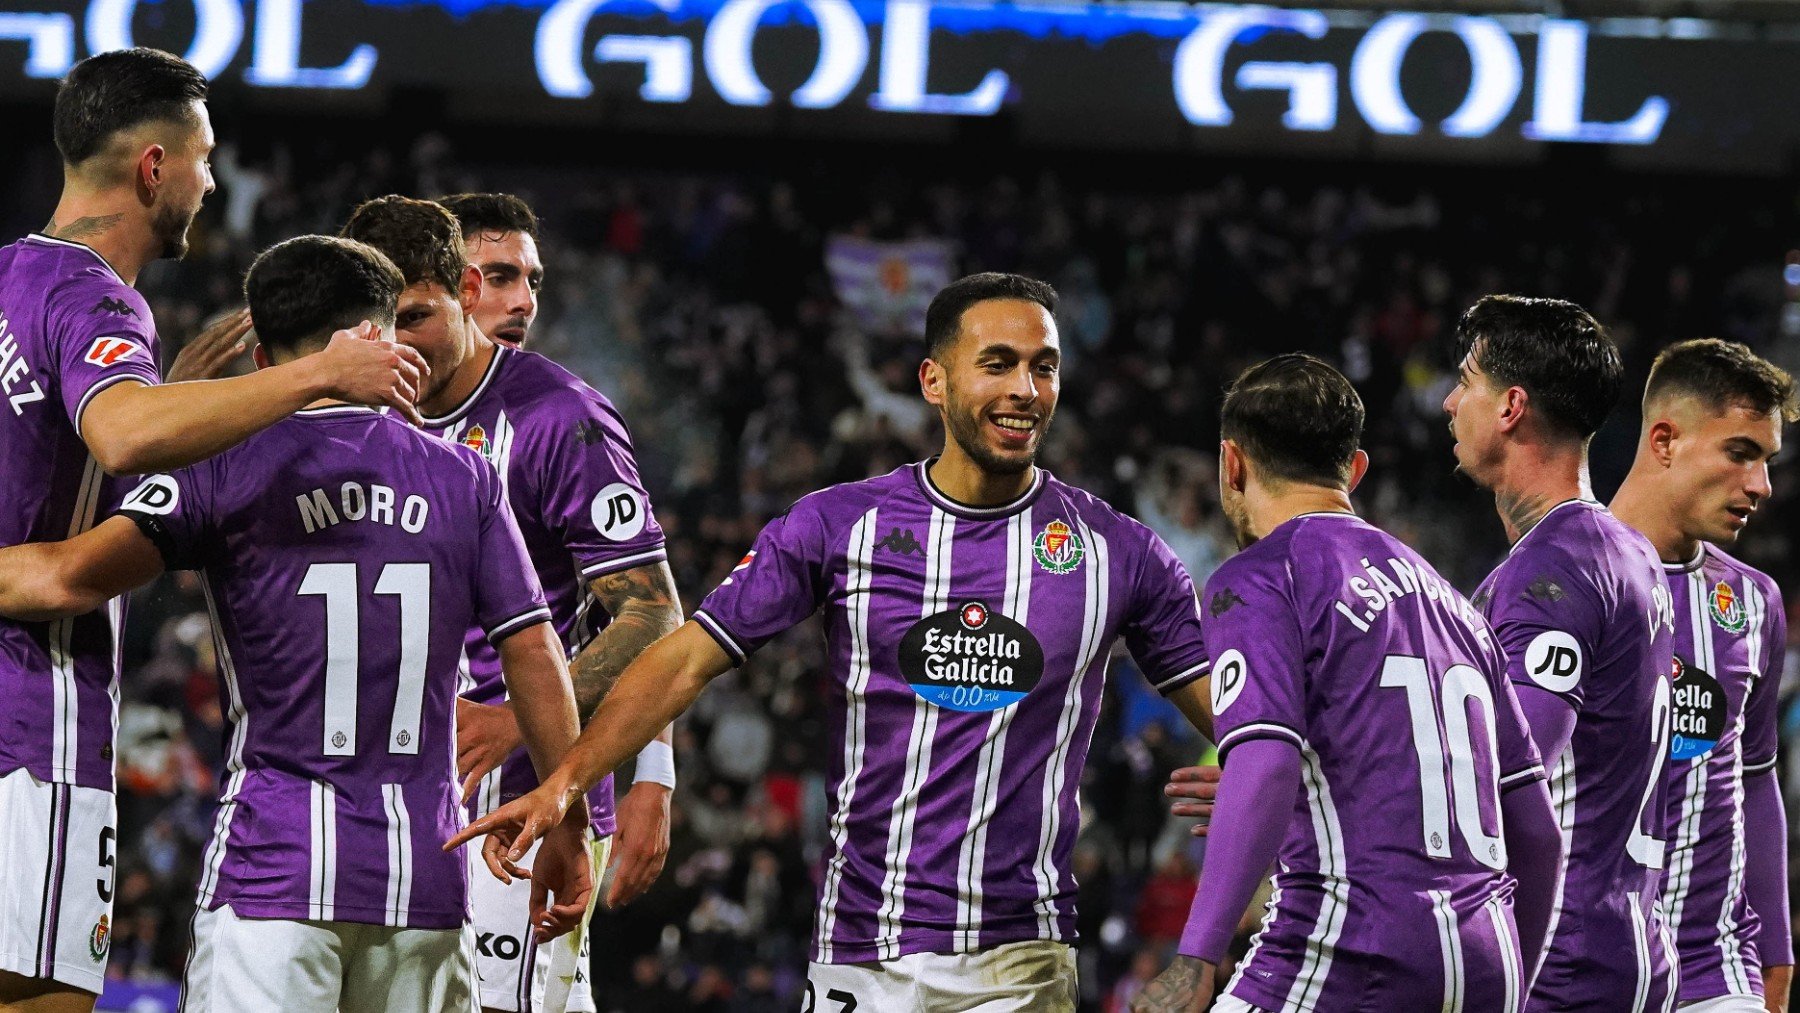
{"x": 1194, "y": 701}
{"x": 1255, "y": 802}
{"x": 537, "y": 685}
{"x": 134, "y": 428}
{"x": 656, "y": 688}
{"x": 1534, "y": 858}
{"x": 644, "y": 608}
{"x": 54, "y": 580}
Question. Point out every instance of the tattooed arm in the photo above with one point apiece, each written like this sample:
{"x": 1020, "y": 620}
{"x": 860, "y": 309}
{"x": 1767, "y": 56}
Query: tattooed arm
{"x": 1186, "y": 986}
{"x": 644, "y": 609}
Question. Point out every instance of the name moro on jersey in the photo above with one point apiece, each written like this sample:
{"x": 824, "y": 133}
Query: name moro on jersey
{"x": 971, "y": 659}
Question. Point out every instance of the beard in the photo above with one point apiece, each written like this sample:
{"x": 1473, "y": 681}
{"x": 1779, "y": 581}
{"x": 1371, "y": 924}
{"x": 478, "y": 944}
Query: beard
{"x": 965, "y": 429}
{"x": 171, "y": 226}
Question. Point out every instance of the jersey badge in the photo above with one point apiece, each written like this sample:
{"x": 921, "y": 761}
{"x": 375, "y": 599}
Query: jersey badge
{"x": 100, "y": 939}
{"x": 1726, "y": 610}
{"x": 111, "y": 351}
{"x": 1057, "y": 548}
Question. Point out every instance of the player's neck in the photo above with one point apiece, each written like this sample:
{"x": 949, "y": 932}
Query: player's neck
{"x": 1269, "y": 511}
{"x": 102, "y": 223}
{"x": 467, "y": 378}
{"x": 1535, "y": 480}
{"x": 961, "y": 479}
{"x": 1647, "y": 510}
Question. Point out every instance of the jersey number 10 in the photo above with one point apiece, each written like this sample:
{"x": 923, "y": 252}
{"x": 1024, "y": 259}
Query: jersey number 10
{"x": 337, "y": 583}
{"x": 1458, "y": 742}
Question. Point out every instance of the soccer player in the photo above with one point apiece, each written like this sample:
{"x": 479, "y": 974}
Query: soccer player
{"x": 567, "y": 464}
{"x": 1368, "y": 736}
{"x": 343, "y": 553}
{"x": 79, "y": 403}
{"x": 500, "y": 232}
{"x": 1585, "y": 619}
{"x": 970, "y": 604}
{"x": 1713, "y": 413}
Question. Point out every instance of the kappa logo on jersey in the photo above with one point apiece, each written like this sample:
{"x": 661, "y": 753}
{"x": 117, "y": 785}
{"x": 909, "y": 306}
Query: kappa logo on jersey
{"x": 100, "y": 939}
{"x": 1229, "y": 676}
{"x": 117, "y": 307}
{"x": 1057, "y": 548}
{"x": 1553, "y": 660}
{"x": 1224, "y": 602}
{"x": 111, "y": 351}
{"x": 618, "y": 512}
{"x": 1726, "y": 609}
{"x": 156, "y": 495}
{"x": 1697, "y": 721}
{"x": 971, "y": 659}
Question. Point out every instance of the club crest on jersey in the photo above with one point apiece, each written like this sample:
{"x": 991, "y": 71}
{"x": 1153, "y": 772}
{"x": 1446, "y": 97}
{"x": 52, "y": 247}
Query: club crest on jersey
{"x": 971, "y": 658}
{"x": 111, "y": 351}
{"x": 476, "y": 439}
{"x": 1697, "y": 717}
{"x": 1726, "y": 609}
{"x": 100, "y": 938}
{"x": 1058, "y": 548}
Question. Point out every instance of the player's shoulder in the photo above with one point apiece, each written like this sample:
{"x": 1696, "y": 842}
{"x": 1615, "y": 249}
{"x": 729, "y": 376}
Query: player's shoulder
{"x": 533, "y": 380}
{"x": 75, "y": 279}
{"x": 435, "y": 451}
{"x": 842, "y": 505}
{"x": 1729, "y": 566}
{"x": 1093, "y": 511}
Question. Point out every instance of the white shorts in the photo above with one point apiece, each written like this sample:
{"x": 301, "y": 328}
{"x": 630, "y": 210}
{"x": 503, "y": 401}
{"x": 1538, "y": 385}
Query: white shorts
{"x": 239, "y": 964}
{"x": 508, "y": 960}
{"x": 57, "y": 866}
{"x": 1726, "y": 1004}
{"x": 1232, "y": 1004}
{"x": 1036, "y": 976}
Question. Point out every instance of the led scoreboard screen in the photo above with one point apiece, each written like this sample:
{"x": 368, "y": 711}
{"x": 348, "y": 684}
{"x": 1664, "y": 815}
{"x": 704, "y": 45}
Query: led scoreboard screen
{"x": 1677, "y": 93}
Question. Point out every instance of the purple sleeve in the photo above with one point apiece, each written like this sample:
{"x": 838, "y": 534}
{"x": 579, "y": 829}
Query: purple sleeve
{"x": 507, "y": 595}
{"x": 775, "y": 587}
{"x": 1766, "y": 876}
{"x": 1255, "y": 805}
{"x": 1544, "y": 614}
{"x": 1163, "y": 630}
{"x": 1762, "y": 735}
{"x": 175, "y": 513}
{"x": 1534, "y": 858}
{"x": 1258, "y": 660}
{"x": 593, "y": 499}
{"x": 1551, "y": 720}
{"x": 103, "y": 336}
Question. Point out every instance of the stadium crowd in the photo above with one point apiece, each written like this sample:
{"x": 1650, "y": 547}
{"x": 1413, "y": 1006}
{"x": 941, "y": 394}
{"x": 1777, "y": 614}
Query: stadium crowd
{"x": 700, "y": 303}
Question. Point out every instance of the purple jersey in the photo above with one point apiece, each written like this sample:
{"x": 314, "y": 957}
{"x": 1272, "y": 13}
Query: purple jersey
{"x": 565, "y": 458}
{"x": 343, "y": 555}
{"x": 1730, "y": 636}
{"x": 967, "y": 650}
{"x": 1391, "y": 891}
{"x": 69, "y": 328}
{"x": 1581, "y": 611}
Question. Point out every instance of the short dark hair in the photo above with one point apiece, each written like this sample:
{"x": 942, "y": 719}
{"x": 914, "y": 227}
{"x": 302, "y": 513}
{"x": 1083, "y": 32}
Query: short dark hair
{"x": 1552, "y": 348}
{"x": 421, "y": 237}
{"x": 116, "y": 91}
{"x": 302, "y": 290}
{"x": 943, "y": 318}
{"x": 1297, "y": 418}
{"x": 491, "y": 214}
{"x": 1722, "y": 374}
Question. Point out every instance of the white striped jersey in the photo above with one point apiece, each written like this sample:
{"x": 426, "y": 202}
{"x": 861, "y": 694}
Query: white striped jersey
{"x": 69, "y": 329}
{"x": 967, "y": 651}
{"x": 1730, "y": 640}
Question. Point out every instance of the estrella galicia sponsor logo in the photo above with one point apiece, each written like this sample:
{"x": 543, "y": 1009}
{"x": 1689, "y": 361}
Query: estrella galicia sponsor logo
{"x": 1057, "y": 548}
{"x": 1698, "y": 720}
{"x": 1727, "y": 610}
{"x": 971, "y": 659}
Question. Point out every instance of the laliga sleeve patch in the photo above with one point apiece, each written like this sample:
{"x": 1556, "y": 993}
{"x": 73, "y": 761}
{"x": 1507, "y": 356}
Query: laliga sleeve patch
{"x": 1229, "y": 674}
{"x": 618, "y": 512}
{"x": 111, "y": 351}
{"x": 971, "y": 659}
{"x": 155, "y": 495}
{"x": 1553, "y": 660}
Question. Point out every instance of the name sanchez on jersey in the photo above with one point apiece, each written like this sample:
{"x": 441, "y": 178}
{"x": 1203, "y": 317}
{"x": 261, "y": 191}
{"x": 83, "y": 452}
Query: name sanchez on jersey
{"x": 1379, "y": 590}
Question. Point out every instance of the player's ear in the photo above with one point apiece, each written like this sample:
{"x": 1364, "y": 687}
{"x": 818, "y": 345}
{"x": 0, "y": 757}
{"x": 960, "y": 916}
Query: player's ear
{"x": 1662, "y": 436}
{"x": 1512, "y": 408}
{"x": 149, "y": 170}
{"x": 469, "y": 292}
{"x": 931, "y": 381}
{"x": 1234, "y": 473}
{"x": 1359, "y": 466}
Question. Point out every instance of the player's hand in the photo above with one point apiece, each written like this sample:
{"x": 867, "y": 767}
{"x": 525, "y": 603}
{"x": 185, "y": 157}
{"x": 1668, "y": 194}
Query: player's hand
{"x": 213, "y": 349}
{"x": 641, "y": 844}
{"x": 485, "y": 737}
{"x": 1778, "y": 981}
{"x": 564, "y": 873}
{"x": 1185, "y": 987}
{"x": 514, "y": 827}
{"x": 362, "y": 367}
{"x": 1194, "y": 790}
